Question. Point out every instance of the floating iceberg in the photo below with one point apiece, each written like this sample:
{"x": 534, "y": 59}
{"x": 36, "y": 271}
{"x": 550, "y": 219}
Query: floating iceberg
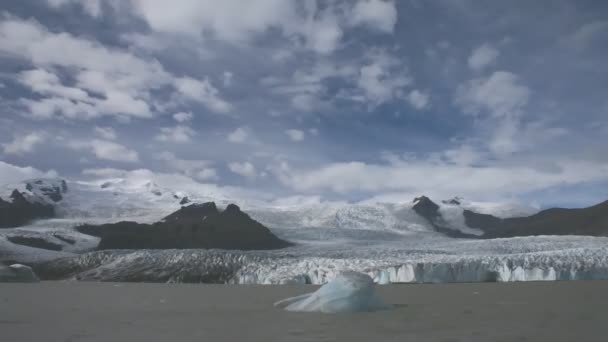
{"x": 348, "y": 292}
{"x": 17, "y": 273}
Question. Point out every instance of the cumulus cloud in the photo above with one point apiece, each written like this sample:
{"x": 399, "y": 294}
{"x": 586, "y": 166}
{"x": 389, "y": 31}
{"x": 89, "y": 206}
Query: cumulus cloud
{"x": 499, "y": 98}
{"x": 177, "y": 134}
{"x": 91, "y": 7}
{"x": 198, "y": 169}
{"x": 24, "y": 143}
{"x": 382, "y": 79}
{"x": 10, "y": 173}
{"x": 501, "y": 94}
{"x": 377, "y": 14}
{"x": 203, "y": 92}
{"x": 182, "y": 116}
{"x": 239, "y": 135}
{"x": 295, "y": 134}
{"x": 124, "y": 80}
{"x": 107, "y": 133}
{"x": 444, "y": 178}
{"x": 418, "y": 99}
{"x": 227, "y": 77}
{"x": 482, "y": 57}
{"x": 106, "y": 150}
{"x": 317, "y": 27}
{"x": 245, "y": 169}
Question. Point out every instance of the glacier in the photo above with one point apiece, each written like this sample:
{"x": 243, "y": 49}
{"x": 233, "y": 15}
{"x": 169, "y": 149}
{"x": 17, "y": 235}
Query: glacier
{"x": 299, "y": 265}
{"x": 388, "y": 241}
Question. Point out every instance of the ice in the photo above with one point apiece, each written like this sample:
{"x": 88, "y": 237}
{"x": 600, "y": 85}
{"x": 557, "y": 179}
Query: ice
{"x": 17, "y": 273}
{"x": 348, "y": 292}
{"x": 388, "y": 241}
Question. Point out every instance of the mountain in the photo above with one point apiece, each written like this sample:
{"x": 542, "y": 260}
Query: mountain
{"x": 591, "y": 221}
{"x": 21, "y": 211}
{"x": 193, "y": 226}
{"x": 37, "y": 201}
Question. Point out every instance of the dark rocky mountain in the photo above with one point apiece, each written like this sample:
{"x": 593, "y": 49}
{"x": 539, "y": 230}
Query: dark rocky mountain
{"x": 20, "y": 211}
{"x": 592, "y": 221}
{"x": 193, "y": 226}
{"x": 430, "y": 210}
{"x": 48, "y": 189}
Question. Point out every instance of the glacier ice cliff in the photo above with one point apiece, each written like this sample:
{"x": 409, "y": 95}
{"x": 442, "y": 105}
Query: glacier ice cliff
{"x": 439, "y": 265}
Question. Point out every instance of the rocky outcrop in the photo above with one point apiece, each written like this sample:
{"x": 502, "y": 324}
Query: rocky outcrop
{"x": 20, "y": 211}
{"x": 430, "y": 211}
{"x": 52, "y": 189}
{"x": 592, "y": 221}
{"x": 193, "y": 226}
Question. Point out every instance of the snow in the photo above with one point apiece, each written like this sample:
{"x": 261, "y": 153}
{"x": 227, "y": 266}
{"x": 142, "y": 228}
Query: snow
{"x": 388, "y": 241}
{"x": 348, "y": 292}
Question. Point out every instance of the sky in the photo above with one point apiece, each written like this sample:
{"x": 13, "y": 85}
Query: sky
{"x": 366, "y": 100}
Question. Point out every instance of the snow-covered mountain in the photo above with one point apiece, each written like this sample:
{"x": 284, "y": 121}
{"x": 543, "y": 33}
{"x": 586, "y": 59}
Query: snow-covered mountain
{"x": 390, "y": 241}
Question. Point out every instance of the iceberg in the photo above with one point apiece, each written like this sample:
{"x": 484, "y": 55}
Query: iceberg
{"x": 17, "y": 273}
{"x": 348, "y": 292}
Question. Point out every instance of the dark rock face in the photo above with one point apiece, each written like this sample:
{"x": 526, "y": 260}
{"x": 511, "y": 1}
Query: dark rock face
{"x": 184, "y": 200}
{"x": 454, "y": 201}
{"x": 592, "y": 221}
{"x": 426, "y": 208}
{"x": 54, "y": 192}
{"x": 20, "y": 211}
{"x": 430, "y": 211}
{"x": 193, "y": 226}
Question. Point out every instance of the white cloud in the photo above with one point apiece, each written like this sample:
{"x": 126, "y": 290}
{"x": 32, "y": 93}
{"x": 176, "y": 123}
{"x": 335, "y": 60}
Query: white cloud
{"x": 499, "y": 100}
{"x": 203, "y": 92}
{"x": 47, "y": 83}
{"x": 124, "y": 80}
{"x": 177, "y": 134}
{"x": 106, "y": 150}
{"x": 315, "y": 26}
{"x": 501, "y": 94}
{"x": 198, "y": 169}
{"x": 182, "y": 116}
{"x": 377, "y": 14}
{"x": 107, "y": 133}
{"x": 295, "y": 134}
{"x": 324, "y": 35}
{"x": 441, "y": 178}
{"x": 239, "y": 135}
{"x": 91, "y": 7}
{"x": 304, "y": 102}
{"x": 482, "y": 57}
{"x": 586, "y": 34}
{"x": 382, "y": 78}
{"x": 418, "y": 99}
{"x": 227, "y": 77}
{"x": 24, "y": 143}
{"x": 10, "y": 173}
{"x": 245, "y": 169}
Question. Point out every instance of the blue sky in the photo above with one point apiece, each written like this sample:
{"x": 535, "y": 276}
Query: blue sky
{"x": 348, "y": 100}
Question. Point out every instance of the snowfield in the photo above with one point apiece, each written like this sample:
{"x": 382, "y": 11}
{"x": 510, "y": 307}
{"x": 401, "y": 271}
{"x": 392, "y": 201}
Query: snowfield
{"x": 387, "y": 241}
